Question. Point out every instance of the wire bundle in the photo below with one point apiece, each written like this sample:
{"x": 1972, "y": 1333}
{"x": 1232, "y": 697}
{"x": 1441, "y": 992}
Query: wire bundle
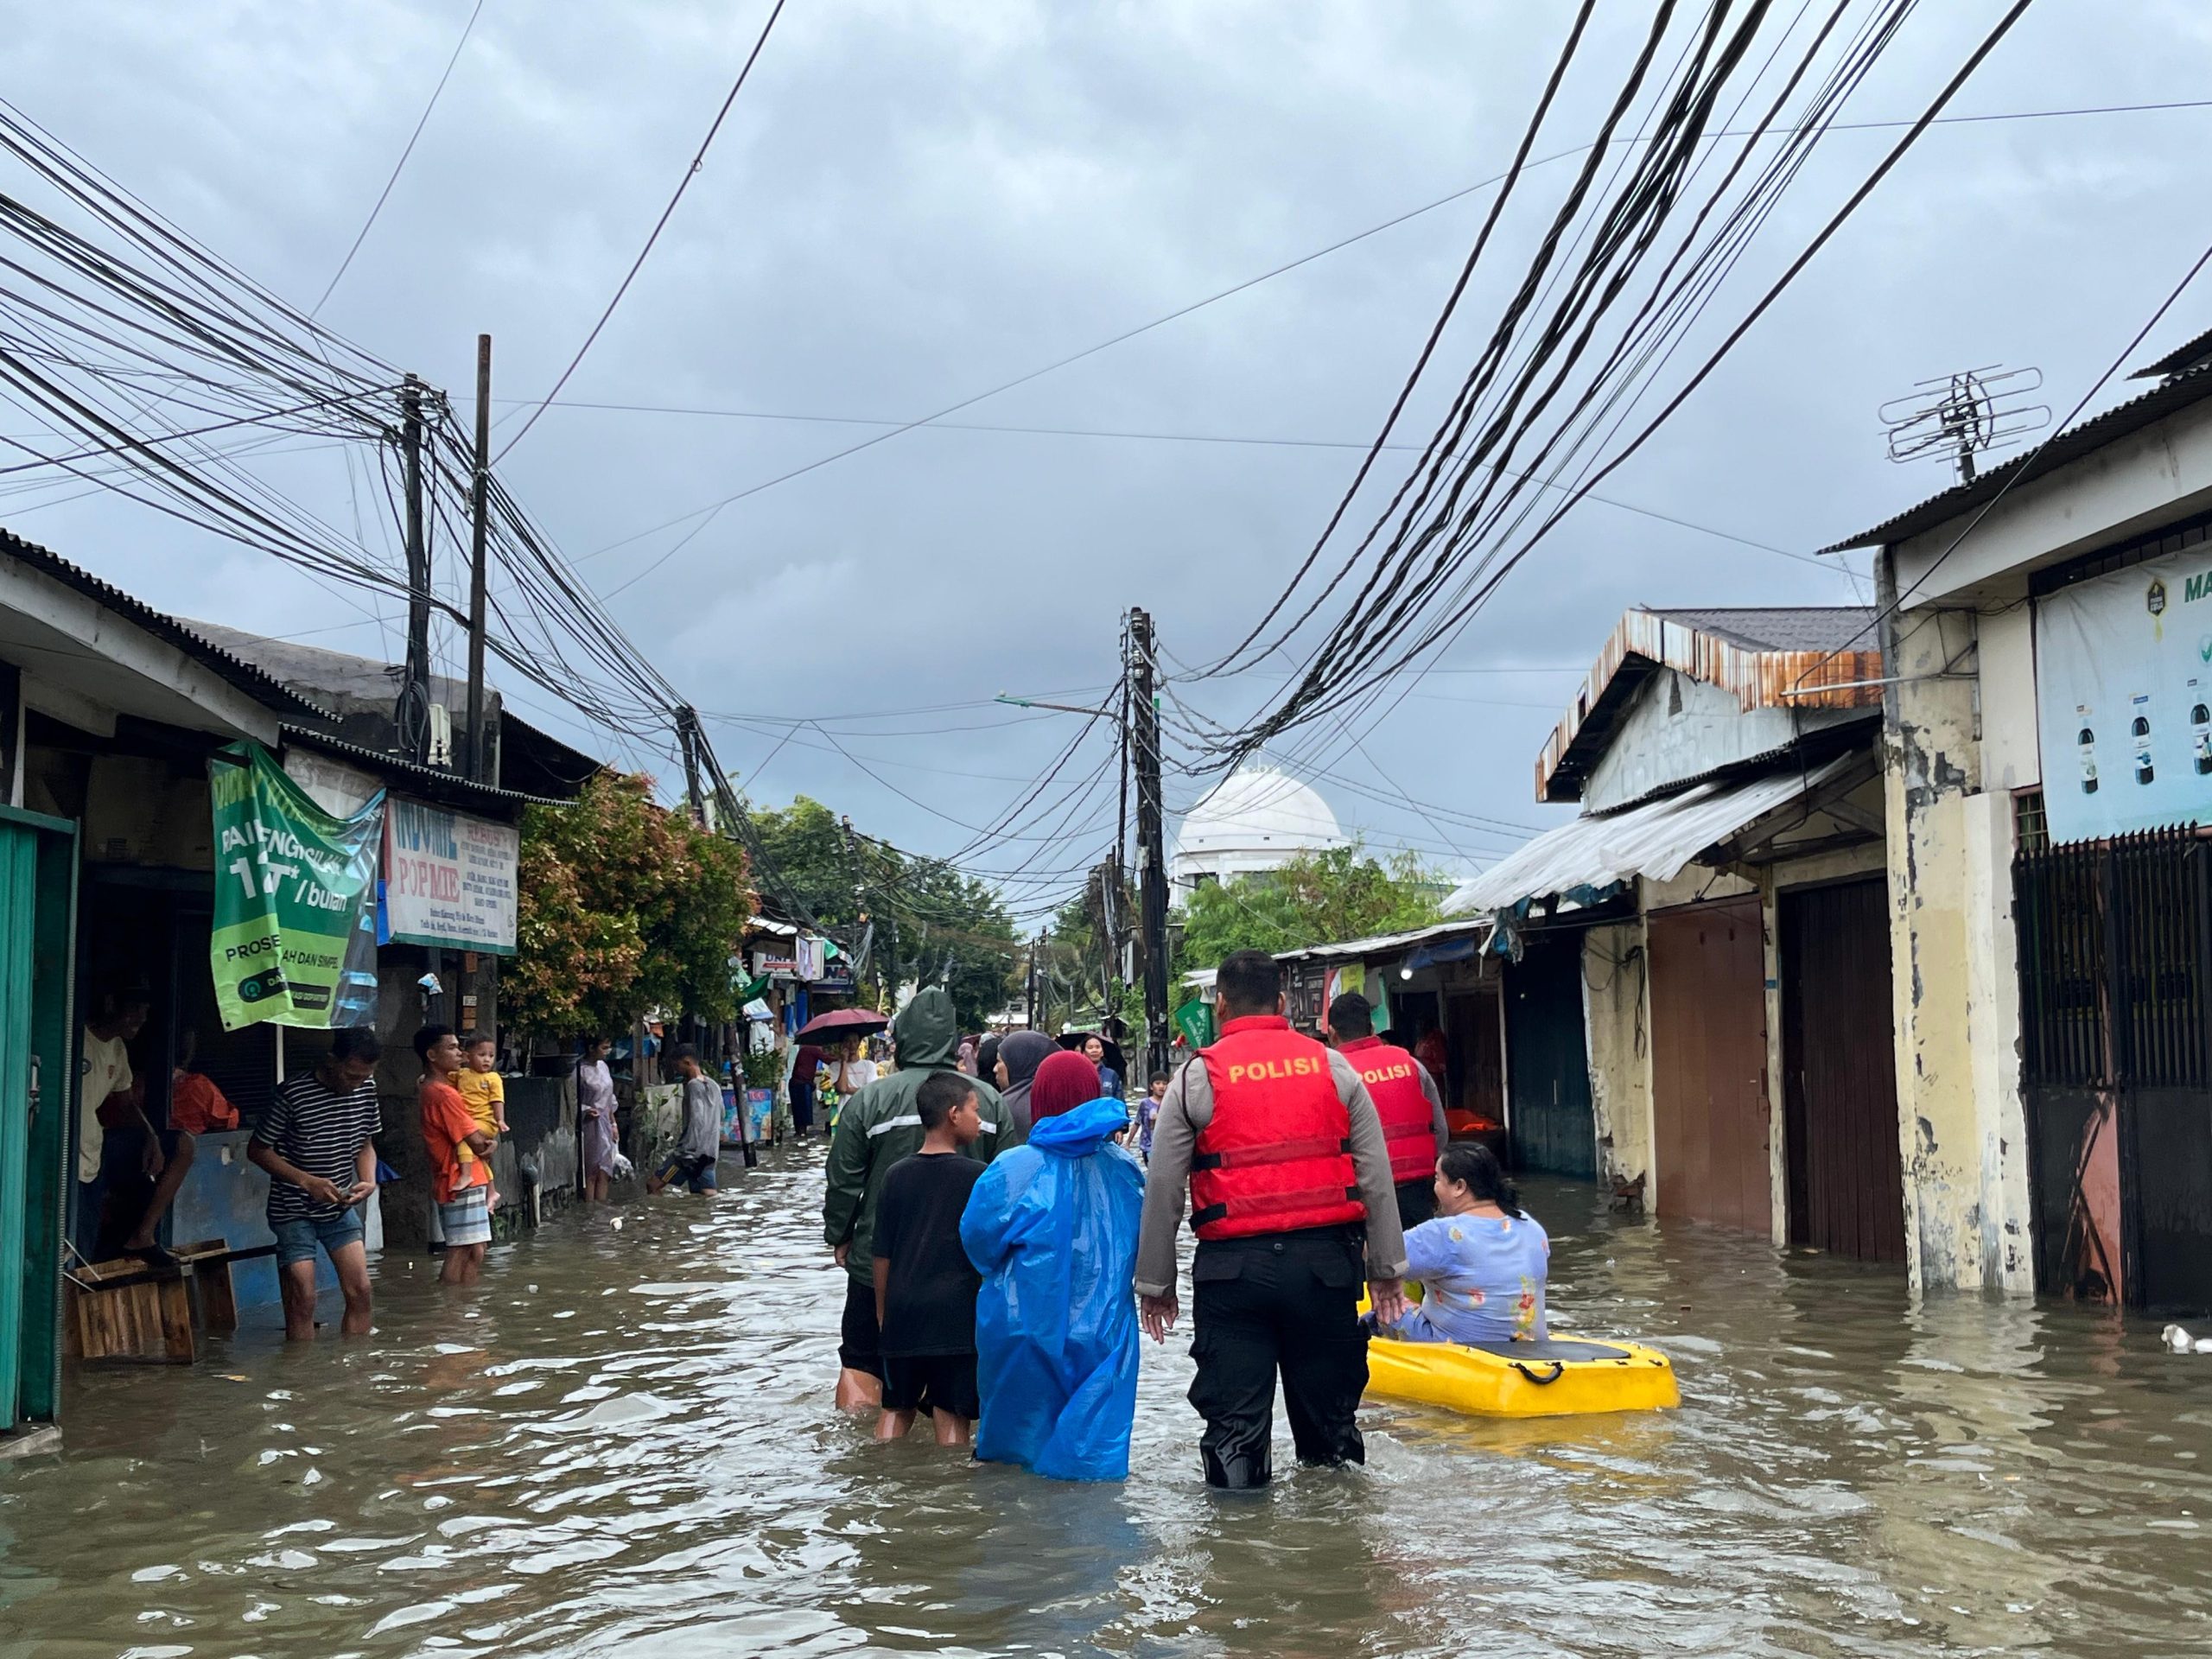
{"x": 1628, "y": 266}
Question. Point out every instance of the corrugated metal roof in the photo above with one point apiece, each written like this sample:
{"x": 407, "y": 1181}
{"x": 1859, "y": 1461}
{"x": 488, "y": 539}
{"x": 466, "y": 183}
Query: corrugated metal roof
{"x": 2187, "y": 355}
{"x": 1782, "y": 627}
{"x": 1822, "y": 655}
{"x": 263, "y": 687}
{"x": 1657, "y": 840}
{"x": 2068, "y": 446}
{"x": 428, "y": 780}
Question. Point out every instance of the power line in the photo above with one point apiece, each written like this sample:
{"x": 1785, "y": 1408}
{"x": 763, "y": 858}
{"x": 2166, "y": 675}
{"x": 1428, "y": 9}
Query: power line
{"x": 400, "y": 166}
{"x": 691, "y": 172}
{"x": 1237, "y": 439}
{"x": 707, "y": 513}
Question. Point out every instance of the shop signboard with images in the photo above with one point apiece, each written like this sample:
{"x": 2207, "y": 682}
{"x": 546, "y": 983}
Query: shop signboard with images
{"x": 2124, "y": 698}
{"x": 449, "y": 879}
{"x": 294, "y": 935}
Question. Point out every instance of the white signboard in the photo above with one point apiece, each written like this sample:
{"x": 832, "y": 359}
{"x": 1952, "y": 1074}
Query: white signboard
{"x": 2124, "y": 699}
{"x": 448, "y": 878}
{"x": 337, "y": 788}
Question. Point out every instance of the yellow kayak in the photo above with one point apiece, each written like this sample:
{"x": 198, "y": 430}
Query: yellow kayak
{"x": 1559, "y": 1378}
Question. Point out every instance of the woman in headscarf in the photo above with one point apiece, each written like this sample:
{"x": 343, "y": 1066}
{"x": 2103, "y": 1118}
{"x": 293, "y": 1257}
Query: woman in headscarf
{"x": 1053, "y": 1227}
{"x": 987, "y": 1056}
{"x": 1020, "y": 1056}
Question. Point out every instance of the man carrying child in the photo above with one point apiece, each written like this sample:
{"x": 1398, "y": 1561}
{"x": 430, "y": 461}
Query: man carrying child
{"x": 924, "y": 1284}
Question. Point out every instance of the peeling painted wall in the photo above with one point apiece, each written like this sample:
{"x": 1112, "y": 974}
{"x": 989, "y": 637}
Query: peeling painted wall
{"x": 1681, "y": 727}
{"x": 1961, "y": 1129}
{"x": 1617, "y": 1016}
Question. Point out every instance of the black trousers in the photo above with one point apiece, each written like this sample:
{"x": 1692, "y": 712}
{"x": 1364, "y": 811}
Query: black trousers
{"x": 1278, "y": 1302}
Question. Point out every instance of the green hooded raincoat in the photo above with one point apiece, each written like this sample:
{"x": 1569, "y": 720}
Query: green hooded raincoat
{"x": 881, "y": 1125}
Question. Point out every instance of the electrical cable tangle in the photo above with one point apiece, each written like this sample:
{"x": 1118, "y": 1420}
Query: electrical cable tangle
{"x": 713, "y": 509}
{"x": 163, "y": 372}
{"x": 1351, "y": 657}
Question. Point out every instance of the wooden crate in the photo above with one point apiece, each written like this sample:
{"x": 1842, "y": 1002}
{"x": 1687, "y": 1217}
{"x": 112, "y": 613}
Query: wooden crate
{"x": 126, "y": 1311}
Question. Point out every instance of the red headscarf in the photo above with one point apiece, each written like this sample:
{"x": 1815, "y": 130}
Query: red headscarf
{"x": 1065, "y": 1081}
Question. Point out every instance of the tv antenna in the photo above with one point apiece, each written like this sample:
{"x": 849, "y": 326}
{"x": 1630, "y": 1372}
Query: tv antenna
{"x": 1965, "y": 415}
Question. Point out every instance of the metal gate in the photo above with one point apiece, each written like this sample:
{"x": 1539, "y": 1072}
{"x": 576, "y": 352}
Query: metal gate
{"x": 38, "y": 862}
{"x": 1710, "y": 1113}
{"x": 1547, "y": 1060}
{"x": 2116, "y": 941}
{"x": 1839, "y": 1069}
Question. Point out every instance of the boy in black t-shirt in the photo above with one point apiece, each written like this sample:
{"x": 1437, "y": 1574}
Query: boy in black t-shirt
{"x": 924, "y": 1285}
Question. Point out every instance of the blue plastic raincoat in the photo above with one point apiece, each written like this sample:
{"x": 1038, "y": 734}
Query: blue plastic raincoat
{"x": 1053, "y": 1227}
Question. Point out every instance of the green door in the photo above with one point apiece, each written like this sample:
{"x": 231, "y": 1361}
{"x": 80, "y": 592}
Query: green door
{"x": 38, "y": 924}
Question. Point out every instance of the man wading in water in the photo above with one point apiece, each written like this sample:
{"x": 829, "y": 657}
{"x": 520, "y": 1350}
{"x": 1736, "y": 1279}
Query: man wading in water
{"x": 1288, "y": 1175}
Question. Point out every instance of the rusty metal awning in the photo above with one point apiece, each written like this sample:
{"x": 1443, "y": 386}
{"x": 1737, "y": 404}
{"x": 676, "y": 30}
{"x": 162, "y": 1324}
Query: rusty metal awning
{"x": 1658, "y": 839}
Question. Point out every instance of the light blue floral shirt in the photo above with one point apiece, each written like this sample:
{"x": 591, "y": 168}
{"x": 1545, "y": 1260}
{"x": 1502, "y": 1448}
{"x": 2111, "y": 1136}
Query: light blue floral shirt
{"x": 1482, "y": 1279}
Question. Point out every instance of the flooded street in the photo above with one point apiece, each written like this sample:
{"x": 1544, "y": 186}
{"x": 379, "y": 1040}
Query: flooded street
{"x": 625, "y": 1439}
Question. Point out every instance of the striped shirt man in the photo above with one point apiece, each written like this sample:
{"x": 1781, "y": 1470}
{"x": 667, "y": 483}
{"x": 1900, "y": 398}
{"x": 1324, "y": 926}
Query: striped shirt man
{"x": 319, "y": 1130}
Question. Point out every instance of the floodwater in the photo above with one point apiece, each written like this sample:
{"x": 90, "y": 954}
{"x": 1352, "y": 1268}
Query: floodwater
{"x": 624, "y": 1442}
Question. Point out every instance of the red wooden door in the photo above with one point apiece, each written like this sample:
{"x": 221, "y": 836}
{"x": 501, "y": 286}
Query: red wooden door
{"x": 1710, "y": 1113}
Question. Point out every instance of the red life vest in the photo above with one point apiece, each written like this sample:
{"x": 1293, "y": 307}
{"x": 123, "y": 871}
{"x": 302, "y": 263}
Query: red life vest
{"x": 1393, "y": 1080}
{"x": 1276, "y": 1155}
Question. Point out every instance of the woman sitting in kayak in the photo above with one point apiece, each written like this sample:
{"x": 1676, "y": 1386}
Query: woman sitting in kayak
{"x": 1481, "y": 1261}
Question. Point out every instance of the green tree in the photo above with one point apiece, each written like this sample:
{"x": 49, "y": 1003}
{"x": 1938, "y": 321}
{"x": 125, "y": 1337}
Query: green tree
{"x": 624, "y": 907}
{"x": 1319, "y": 898}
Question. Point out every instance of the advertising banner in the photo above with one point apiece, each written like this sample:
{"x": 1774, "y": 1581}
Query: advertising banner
{"x": 449, "y": 879}
{"x": 2124, "y": 698}
{"x": 293, "y": 938}
{"x": 1195, "y": 1020}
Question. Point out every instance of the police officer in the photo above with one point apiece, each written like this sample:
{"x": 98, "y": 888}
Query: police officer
{"x": 1406, "y": 1099}
{"x": 1290, "y": 1197}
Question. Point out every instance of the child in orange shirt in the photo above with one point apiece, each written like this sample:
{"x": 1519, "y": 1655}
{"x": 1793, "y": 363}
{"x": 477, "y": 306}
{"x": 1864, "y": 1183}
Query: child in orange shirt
{"x": 486, "y": 1093}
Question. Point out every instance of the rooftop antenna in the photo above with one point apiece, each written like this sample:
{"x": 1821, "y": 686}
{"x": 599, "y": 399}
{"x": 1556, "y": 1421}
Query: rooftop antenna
{"x": 1965, "y": 415}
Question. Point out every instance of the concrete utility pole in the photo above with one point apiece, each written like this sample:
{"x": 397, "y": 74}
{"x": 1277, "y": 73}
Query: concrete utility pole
{"x": 687, "y": 733}
{"x": 481, "y": 765}
{"x": 1035, "y": 945}
{"x": 1144, "y": 735}
{"x": 413, "y": 715}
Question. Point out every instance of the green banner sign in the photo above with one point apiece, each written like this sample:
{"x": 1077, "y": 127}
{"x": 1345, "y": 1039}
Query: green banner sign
{"x": 295, "y": 935}
{"x": 1195, "y": 1020}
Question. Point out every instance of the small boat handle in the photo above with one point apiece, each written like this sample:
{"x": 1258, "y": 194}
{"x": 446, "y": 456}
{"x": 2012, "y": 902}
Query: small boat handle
{"x": 1558, "y": 1370}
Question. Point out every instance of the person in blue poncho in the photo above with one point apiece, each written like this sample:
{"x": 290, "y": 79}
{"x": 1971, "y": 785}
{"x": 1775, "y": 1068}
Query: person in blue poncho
{"x": 1053, "y": 1227}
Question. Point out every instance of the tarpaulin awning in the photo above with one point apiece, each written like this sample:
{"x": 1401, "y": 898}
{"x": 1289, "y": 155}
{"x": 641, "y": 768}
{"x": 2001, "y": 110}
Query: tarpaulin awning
{"x": 1383, "y": 943}
{"x": 1657, "y": 840}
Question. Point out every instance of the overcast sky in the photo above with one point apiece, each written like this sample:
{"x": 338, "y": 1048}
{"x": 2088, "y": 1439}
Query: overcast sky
{"x": 912, "y": 203}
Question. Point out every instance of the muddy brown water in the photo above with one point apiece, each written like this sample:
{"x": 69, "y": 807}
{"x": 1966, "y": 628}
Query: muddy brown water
{"x": 623, "y": 1442}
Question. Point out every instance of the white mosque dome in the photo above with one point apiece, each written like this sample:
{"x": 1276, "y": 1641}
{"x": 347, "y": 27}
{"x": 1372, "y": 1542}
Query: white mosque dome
{"x": 1254, "y": 819}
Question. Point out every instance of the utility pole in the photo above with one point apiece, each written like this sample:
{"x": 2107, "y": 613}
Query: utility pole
{"x": 1144, "y": 727}
{"x": 687, "y": 733}
{"x": 413, "y": 715}
{"x": 1035, "y": 945}
{"x": 480, "y": 765}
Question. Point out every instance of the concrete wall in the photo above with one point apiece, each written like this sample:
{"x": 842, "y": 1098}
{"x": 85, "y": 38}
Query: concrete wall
{"x": 1681, "y": 727}
{"x": 1962, "y": 1132}
{"x": 1617, "y": 1019}
{"x": 2010, "y": 747}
